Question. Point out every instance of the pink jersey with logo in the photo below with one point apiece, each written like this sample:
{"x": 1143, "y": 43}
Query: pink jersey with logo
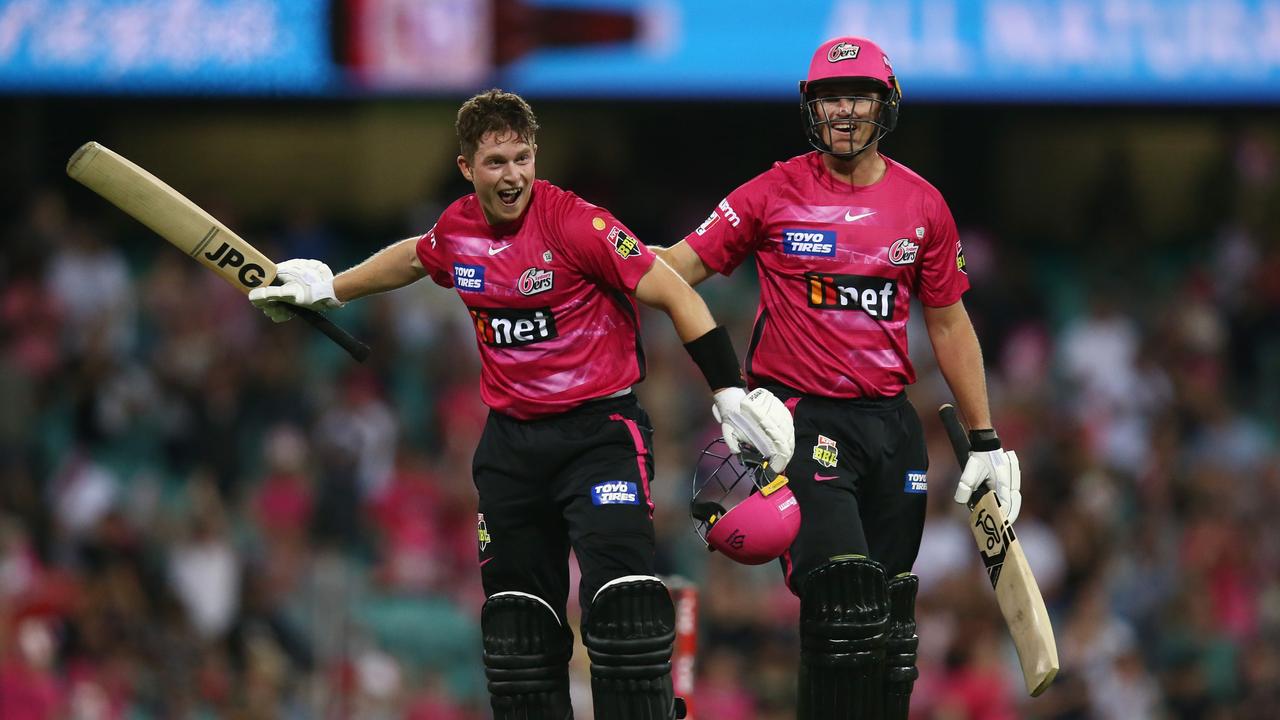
{"x": 549, "y": 296}
{"x": 838, "y": 267}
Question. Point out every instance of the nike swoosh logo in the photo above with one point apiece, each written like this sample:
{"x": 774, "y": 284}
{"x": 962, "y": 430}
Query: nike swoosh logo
{"x": 495, "y": 250}
{"x": 486, "y": 561}
{"x": 854, "y": 218}
{"x": 824, "y": 478}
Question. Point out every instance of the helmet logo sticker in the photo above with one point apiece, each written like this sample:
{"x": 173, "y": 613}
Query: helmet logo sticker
{"x": 741, "y": 508}
{"x": 842, "y": 51}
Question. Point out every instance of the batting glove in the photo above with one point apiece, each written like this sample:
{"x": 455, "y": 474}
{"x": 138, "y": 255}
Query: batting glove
{"x": 758, "y": 419}
{"x": 306, "y": 283}
{"x": 998, "y": 470}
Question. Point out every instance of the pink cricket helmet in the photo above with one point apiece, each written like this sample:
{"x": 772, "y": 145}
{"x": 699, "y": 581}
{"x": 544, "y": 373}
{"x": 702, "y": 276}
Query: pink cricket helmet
{"x": 765, "y": 518}
{"x": 849, "y": 58}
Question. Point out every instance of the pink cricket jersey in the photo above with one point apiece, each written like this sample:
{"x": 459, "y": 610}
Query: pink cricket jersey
{"x": 838, "y": 266}
{"x": 549, "y": 296}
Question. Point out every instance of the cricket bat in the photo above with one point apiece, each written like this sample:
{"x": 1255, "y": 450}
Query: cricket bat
{"x": 1017, "y": 592}
{"x": 197, "y": 233}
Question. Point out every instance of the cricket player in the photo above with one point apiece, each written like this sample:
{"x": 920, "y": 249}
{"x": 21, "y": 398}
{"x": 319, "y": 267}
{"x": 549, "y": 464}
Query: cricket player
{"x": 843, "y": 239}
{"x": 566, "y": 458}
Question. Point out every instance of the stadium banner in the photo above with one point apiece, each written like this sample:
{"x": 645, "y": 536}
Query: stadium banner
{"x": 1182, "y": 51}
{"x": 1178, "y": 51}
{"x": 179, "y": 47}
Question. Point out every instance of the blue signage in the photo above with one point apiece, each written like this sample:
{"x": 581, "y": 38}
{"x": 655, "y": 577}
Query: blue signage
{"x": 1018, "y": 50}
{"x": 165, "y": 46}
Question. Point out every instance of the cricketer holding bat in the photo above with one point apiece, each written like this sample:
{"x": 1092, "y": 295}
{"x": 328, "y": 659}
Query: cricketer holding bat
{"x": 566, "y": 456}
{"x": 843, "y": 238}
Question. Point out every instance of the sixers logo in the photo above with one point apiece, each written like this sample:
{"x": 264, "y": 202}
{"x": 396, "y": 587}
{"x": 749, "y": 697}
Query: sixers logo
{"x": 534, "y": 281}
{"x": 903, "y": 252}
{"x": 843, "y": 51}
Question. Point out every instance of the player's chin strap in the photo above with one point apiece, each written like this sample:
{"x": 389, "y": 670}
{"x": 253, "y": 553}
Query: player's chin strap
{"x": 844, "y": 615}
{"x": 629, "y": 631}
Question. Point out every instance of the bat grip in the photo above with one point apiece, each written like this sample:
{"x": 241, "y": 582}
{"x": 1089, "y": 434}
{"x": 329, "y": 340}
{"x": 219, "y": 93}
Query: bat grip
{"x": 959, "y": 445}
{"x": 344, "y": 339}
{"x": 955, "y": 433}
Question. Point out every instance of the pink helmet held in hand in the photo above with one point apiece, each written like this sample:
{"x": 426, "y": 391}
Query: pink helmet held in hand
{"x": 765, "y": 518}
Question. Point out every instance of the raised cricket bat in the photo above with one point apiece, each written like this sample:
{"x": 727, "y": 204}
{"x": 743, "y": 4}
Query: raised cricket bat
{"x": 197, "y": 233}
{"x": 1017, "y": 592}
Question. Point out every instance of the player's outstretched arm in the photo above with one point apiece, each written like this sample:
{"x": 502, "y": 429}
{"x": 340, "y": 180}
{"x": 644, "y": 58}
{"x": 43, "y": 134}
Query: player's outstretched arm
{"x": 758, "y": 418}
{"x": 681, "y": 258}
{"x": 960, "y": 359}
{"x": 311, "y": 284}
{"x": 390, "y": 268}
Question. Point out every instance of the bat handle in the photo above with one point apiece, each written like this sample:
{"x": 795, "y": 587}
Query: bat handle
{"x": 344, "y": 339}
{"x": 959, "y": 444}
{"x": 955, "y": 433}
{"x": 356, "y": 349}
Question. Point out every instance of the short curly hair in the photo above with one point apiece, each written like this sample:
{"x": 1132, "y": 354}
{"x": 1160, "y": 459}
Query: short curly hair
{"x": 493, "y": 111}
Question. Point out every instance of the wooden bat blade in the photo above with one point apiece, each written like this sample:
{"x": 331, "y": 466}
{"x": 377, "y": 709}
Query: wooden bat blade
{"x": 1017, "y": 592}
{"x": 151, "y": 201}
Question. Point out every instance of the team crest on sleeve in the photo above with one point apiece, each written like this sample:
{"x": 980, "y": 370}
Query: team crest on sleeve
{"x": 903, "y": 252}
{"x": 960, "y": 258}
{"x": 708, "y": 223}
{"x": 623, "y": 244}
{"x": 825, "y": 453}
{"x": 534, "y": 281}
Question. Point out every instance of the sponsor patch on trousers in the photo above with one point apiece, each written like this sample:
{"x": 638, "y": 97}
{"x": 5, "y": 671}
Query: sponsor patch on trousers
{"x": 916, "y": 482}
{"x": 615, "y": 492}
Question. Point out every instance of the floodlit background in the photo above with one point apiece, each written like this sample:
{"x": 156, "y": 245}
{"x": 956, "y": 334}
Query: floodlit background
{"x": 205, "y": 515}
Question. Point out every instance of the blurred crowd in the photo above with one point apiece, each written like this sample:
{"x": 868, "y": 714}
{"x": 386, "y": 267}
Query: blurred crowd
{"x": 204, "y": 515}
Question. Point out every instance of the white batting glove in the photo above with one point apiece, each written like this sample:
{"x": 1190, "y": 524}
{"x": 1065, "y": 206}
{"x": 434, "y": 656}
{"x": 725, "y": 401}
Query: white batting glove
{"x": 758, "y": 419}
{"x": 998, "y": 470}
{"x": 307, "y": 283}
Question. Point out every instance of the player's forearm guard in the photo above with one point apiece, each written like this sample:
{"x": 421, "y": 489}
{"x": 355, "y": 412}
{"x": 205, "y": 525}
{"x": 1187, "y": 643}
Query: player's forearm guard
{"x": 714, "y": 355}
{"x": 984, "y": 440}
